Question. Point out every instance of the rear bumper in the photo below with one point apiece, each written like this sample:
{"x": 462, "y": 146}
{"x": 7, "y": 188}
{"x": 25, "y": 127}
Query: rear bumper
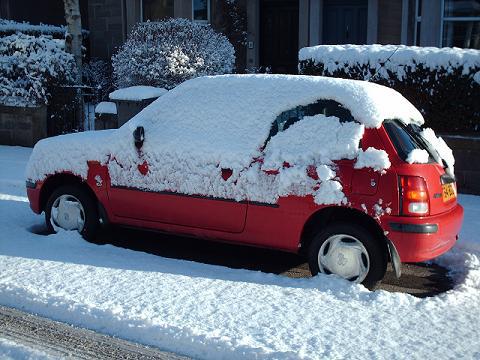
{"x": 33, "y": 194}
{"x": 421, "y": 239}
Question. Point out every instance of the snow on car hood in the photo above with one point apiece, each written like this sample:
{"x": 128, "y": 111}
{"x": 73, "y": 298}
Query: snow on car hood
{"x": 212, "y": 123}
{"x": 69, "y": 152}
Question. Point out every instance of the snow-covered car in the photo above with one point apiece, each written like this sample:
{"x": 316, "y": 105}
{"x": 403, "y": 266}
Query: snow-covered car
{"x": 338, "y": 170}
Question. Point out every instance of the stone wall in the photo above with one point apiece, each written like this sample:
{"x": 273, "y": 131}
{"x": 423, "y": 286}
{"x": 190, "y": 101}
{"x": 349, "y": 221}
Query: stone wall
{"x": 467, "y": 162}
{"x": 22, "y": 126}
{"x": 106, "y": 27}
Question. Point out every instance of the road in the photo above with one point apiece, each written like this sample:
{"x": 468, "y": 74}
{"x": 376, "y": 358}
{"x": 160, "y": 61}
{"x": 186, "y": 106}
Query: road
{"x": 60, "y": 340}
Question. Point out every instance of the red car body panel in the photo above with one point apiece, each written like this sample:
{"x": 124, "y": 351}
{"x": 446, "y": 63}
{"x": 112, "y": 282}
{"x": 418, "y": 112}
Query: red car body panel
{"x": 280, "y": 225}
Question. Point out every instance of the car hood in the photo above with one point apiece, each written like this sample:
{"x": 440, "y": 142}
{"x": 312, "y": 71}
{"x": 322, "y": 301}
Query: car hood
{"x": 69, "y": 153}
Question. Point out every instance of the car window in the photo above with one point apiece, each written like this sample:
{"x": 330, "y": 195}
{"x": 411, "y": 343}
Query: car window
{"x": 406, "y": 138}
{"x": 325, "y": 107}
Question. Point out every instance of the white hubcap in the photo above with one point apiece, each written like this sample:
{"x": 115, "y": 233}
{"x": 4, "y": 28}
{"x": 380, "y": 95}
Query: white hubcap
{"x": 344, "y": 256}
{"x": 67, "y": 213}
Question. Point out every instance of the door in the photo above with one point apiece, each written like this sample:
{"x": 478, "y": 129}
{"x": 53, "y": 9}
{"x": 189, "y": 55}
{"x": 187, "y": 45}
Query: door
{"x": 174, "y": 208}
{"x": 279, "y": 36}
{"x": 345, "y": 21}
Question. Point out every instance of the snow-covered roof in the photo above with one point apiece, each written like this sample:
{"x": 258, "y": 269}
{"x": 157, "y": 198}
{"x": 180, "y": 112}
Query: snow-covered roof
{"x": 137, "y": 93}
{"x": 106, "y": 107}
{"x": 232, "y": 114}
{"x": 335, "y": 56}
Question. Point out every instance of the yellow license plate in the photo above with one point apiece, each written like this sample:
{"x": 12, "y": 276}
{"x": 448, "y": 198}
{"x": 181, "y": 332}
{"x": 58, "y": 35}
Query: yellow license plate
{"x": 448, "y": 192}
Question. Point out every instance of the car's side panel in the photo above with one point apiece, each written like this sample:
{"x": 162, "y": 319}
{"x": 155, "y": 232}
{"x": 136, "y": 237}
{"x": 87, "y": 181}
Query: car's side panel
{"x": 173, "y": 208}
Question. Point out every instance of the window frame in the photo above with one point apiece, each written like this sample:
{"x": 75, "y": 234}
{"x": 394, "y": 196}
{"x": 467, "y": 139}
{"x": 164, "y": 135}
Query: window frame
{"x": 418, "y": 22}
{"x": 142, "y": 17}
{"x": 208, "y": 13}
{"x": 444, "y": 19}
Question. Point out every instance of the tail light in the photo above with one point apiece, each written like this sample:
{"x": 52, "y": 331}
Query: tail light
{"x": 414, "y": 199}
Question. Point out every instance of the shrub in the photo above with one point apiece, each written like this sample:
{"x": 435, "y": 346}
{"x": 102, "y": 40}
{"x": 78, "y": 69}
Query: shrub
{"x": 10, "y": 27}
{"x": 97, "y": 74}
{"x": 31, "y": 67}
{"x": 444, "y": 84}
{"x": 166, "y": 53}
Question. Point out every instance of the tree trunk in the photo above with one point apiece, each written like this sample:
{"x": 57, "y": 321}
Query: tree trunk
{"x": 73, "y": 41}
{"x": 73, "y": 45}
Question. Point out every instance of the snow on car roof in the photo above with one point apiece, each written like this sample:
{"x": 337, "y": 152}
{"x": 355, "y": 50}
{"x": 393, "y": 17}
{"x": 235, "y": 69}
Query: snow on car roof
{"x": 232, "y": 114}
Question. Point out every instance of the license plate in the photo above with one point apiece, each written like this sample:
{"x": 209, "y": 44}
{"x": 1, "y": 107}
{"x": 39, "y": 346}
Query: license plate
{"x": 448, "y": 192}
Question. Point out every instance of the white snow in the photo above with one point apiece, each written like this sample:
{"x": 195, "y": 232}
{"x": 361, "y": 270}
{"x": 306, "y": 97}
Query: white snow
{"x": 11, "y": 350}
{"x": 440, "y": 147}
{"x": 372, "y": 158}
{"x": 213, "y": 123}
{"x": 212, "y": 312}
{"x": 418, "y": 156}
{"x": 335, "y": 57}
{"x": 30, "y": 66}
{"x": 137, "y": 93}
{"x": 106, "y": 107}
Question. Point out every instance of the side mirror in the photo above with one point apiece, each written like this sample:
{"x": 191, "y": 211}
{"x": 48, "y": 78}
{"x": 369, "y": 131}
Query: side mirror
{"x": 139, "y": 136}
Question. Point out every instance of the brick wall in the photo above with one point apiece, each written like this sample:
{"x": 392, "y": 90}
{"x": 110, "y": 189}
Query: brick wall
{"x": 22, "y": 126}
{"x": 106, "y": 27}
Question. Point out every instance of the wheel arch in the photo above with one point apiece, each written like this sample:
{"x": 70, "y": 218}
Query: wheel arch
{"x": 55, "y": 181}
{"x": 321, "y": 218}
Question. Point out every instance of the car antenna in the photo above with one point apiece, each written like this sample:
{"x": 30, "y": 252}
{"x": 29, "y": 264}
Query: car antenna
{"x": 383, "y": 64}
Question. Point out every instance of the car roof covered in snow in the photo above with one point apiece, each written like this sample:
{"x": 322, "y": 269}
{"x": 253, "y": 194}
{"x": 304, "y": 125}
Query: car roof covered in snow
{"x": 231, "y": 115}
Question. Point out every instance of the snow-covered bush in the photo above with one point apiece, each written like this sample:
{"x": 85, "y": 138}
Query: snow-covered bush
{"x": 443, "y": 83}
{"x": 30, "y": 67}
{"x": 166, "y": 53}
{"x": 10, "y": 27}
{"x": 98, "y": 75}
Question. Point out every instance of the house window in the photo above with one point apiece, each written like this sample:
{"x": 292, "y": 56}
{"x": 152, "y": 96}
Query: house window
{"x": 156, "y": 9}
{"x": 201, "y": 10}
{"x": 461, "y": 23}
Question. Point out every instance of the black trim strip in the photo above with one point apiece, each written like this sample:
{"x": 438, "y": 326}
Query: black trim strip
{"x": 414, "y": 228}
{"x": 256, "y": 203}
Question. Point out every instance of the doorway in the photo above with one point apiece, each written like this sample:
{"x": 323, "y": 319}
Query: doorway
{"x": 279, "y": 35}
{"x": 345, "y": 21}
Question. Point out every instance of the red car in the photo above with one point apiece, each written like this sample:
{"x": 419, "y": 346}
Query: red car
{"x": 337, "y": 170}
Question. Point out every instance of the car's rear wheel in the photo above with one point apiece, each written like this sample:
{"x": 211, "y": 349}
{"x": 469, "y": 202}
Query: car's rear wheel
{"x": 71, "y": 208}
{"x": 349, "y": 251}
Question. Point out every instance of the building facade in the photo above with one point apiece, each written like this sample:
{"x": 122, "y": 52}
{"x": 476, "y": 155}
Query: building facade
{"x": 276, "y": 29}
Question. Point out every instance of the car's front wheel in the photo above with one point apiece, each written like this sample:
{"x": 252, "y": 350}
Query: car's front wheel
{"x": 349, "y": 251}
{"x": 71, "y": 208}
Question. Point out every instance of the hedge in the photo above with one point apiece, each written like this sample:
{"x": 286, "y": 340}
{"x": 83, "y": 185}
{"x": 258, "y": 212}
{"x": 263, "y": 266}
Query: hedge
{"x": 443, "y": 83}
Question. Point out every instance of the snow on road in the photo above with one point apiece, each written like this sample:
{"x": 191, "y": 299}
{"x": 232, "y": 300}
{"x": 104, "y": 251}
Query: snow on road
{"x": 213, "y": 312}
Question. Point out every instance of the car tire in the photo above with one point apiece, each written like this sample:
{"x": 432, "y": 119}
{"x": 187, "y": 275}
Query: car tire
{"x": 80, "y": 205}
{"x": 347, "y": 249}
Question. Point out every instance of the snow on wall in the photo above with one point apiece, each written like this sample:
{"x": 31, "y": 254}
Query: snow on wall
{"x": 11, "y": 26}
{"x": 213, "y": 123}
{"x": 106, "y": 107}
{"x": 335, "y": 57}
{"x": 137, "y": 93}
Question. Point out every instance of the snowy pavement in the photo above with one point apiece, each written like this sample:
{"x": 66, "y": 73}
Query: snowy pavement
{"x": 213, "y": 312}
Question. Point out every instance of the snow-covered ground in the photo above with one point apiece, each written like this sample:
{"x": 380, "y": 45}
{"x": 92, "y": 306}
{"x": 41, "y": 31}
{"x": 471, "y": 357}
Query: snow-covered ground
{"x": 11, "y": 350}
{"x": 213, "y": 312}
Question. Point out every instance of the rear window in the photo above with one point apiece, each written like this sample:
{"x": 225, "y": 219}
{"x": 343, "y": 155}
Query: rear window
{"x": 406, "y": 138}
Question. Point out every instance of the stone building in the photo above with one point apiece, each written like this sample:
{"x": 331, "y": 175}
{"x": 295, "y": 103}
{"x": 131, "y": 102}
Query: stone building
{"x": 275, "y": 29}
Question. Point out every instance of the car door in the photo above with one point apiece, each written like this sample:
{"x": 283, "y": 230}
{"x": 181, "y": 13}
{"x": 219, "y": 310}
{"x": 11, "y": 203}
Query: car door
{"x": 170, "y": 206}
